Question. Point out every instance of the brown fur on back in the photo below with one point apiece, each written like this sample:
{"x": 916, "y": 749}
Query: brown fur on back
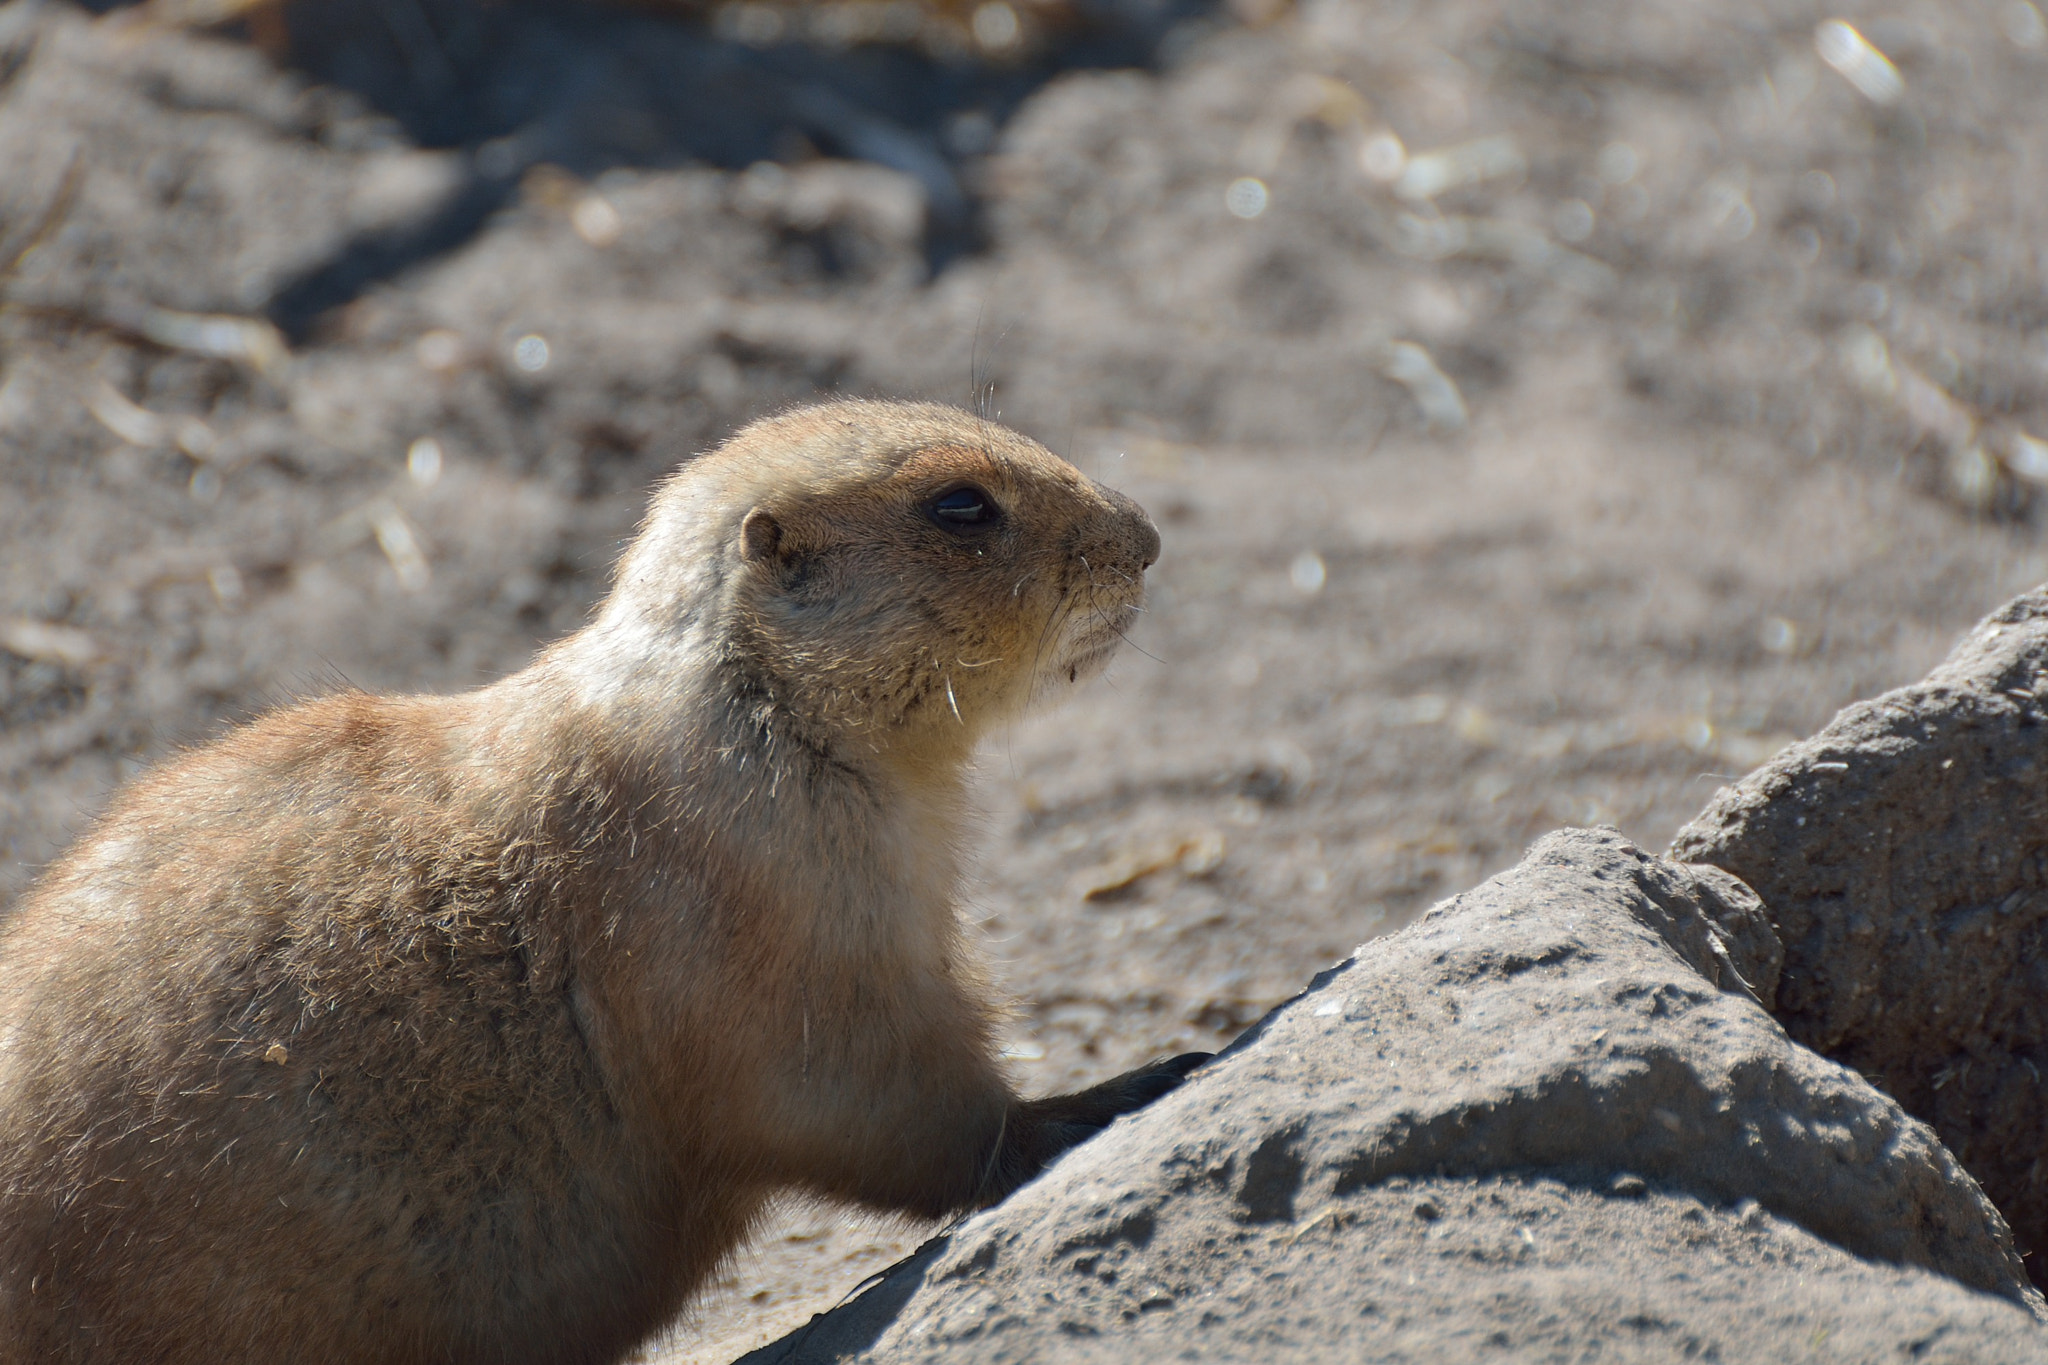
{"x": 479, "y": 1027}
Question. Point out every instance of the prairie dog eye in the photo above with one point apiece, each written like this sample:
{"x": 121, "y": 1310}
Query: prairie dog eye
{"x": 963, "y": 509}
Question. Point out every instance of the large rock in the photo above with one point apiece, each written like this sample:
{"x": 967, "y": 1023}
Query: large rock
{"x": 1548, "y": 1119}
{"x": 1903, "y": 855}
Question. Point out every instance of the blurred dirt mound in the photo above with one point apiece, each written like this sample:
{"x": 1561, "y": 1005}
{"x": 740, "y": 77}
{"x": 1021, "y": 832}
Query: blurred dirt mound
{"x": 1442, "y": 192}
{"x": 1548, "y": 1117}
{"x": 1365, "y": 220}
{"x": 1367, "y": 213}
{"x": 921, "y": 86}
{"x": 1902, "y": 854}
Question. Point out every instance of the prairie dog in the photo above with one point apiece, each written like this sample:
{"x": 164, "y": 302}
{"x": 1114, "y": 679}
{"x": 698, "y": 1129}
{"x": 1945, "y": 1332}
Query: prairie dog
{"x": 479, "y": 1027}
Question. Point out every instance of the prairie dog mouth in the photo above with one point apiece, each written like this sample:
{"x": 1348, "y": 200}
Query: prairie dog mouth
{"x": 1089, "y": 637}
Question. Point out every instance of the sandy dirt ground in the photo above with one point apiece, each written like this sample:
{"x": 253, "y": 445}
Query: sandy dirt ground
{"x": 1548, "y": 409}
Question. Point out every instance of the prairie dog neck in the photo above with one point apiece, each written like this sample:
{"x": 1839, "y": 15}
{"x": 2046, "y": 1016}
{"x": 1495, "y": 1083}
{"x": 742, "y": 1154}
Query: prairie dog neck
{"x": 844, "y": 859}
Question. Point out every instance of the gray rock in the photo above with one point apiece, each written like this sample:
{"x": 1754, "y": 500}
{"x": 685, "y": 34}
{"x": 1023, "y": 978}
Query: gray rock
{"x": 1903, "y": 855}
{"x": 1548, "y": 1120}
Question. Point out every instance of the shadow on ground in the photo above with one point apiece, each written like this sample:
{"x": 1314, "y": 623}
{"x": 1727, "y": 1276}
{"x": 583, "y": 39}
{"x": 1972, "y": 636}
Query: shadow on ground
{"x": 592, "y": 88}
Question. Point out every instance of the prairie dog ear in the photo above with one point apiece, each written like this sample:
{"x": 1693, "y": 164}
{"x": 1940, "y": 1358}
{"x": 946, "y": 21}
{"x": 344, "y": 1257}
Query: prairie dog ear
{"x": 760, "y": 536}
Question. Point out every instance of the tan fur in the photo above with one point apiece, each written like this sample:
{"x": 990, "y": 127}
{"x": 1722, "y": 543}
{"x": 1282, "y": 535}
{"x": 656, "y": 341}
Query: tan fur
{"x": 478, "y": 1028}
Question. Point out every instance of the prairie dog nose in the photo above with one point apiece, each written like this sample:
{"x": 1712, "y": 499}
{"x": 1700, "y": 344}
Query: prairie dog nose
{"x": 1144, "y": 536}
{"x": 1148, "y": 542}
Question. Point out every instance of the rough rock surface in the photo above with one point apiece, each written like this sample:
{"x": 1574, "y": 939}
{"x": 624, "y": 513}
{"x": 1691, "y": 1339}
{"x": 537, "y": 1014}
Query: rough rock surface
{"x": 1549, "y": 1118}
{"x": 1903, "y": 855}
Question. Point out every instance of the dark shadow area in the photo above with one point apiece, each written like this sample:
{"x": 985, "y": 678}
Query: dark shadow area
{"x": 859, "y": 1320}
{"x": 588, "y": 87}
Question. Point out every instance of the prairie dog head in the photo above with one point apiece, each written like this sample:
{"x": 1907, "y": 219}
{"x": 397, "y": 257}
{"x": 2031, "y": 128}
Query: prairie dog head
{"x": 891, "y": 573}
